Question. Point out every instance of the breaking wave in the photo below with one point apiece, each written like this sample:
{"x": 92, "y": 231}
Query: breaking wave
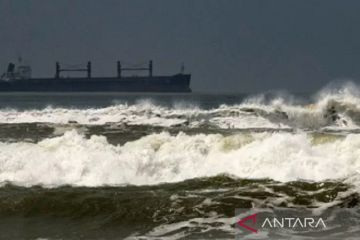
{"x": 334, "y": 108}
{"x": 75, "y": 160}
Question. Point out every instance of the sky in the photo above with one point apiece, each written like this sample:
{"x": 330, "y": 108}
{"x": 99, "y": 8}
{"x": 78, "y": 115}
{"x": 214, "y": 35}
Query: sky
{"x": 227, "y": 46}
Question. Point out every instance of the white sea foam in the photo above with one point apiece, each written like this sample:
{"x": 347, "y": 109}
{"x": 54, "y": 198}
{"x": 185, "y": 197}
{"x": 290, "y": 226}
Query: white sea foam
{"x": 140, "y": 114}
{"x": 338, "y": 109}
{"x": 75, "y": 160}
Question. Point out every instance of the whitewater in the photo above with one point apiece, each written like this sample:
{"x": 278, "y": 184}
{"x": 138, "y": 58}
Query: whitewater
{"x": 157, "y": 158}
{"x": 73, "y": 158}
{"x": 85, "y": 166}
{"x": 329, "y": 108}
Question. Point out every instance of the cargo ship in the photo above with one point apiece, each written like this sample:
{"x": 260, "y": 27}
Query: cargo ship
{"x": 19, "y": 79}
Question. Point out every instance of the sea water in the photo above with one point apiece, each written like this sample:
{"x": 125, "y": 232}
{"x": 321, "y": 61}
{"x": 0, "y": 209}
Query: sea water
{"x": 172, "y": 166}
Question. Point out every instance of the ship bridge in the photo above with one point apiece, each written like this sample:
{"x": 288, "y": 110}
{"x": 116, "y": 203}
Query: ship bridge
{"x": 16, "y": 73}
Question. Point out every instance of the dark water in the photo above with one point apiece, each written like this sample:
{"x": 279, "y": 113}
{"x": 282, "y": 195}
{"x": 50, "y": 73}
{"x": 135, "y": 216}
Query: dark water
{"x": 161, "y": 191}
{"x": 98, "y": 100}
{"x": 119, "y": 212}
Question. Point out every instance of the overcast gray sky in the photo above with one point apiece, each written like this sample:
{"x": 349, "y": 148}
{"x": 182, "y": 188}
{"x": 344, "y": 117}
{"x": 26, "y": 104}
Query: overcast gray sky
{"x": 236, "y": 46}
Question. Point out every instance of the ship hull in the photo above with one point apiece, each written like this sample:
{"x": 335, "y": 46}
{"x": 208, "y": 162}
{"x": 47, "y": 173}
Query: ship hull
{"x": 175, "y": 83}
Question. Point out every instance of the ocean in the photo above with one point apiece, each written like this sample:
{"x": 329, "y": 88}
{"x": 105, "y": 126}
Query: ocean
{"x": 176, "y": 166}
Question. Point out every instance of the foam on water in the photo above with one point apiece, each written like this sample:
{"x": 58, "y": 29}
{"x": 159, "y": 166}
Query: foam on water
{"x": 339, "y": 109}
{"x": 140, "y": 114}
{"x": 72, "y": 159}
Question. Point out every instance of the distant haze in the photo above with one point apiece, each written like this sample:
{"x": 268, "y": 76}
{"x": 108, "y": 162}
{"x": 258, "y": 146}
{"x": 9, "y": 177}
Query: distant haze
{"x": 236, "y": 46}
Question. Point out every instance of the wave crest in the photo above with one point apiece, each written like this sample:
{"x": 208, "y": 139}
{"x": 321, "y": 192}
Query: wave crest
{"x": 74, "y": 160}
{"x": 339, "y": 109}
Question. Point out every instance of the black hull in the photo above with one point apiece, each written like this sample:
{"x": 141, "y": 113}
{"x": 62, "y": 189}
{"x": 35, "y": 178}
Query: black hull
{"x": 176, "y": 83}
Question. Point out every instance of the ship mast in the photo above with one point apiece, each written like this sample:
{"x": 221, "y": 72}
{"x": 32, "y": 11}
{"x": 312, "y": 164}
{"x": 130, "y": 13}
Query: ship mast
{"x": 58, "y": 69}
{"x": 121, "y": 69}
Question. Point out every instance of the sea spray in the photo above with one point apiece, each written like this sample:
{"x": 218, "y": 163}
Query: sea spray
{"x": 331, "y": 109}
